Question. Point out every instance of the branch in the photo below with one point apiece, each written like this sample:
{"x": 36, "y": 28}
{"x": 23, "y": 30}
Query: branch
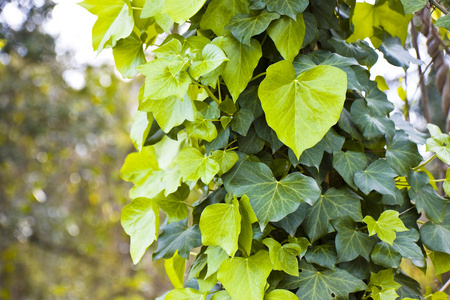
{"x": 445, "y": 286}
{"x": 441, "y": 8}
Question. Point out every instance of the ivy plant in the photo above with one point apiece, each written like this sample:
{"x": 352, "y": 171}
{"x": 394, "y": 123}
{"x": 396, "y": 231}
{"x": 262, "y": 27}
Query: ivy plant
{"x": 268, "y": 154}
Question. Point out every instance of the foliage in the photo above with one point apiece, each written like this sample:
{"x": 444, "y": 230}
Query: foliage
{"x": 266, "y": 108}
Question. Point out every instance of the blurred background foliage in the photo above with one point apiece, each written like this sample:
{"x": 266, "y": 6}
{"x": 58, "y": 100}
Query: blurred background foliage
{"x": 61, "y": 150}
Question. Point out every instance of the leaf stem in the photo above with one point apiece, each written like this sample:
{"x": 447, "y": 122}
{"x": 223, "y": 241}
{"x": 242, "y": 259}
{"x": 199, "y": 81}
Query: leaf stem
{"x": 406, "y": 211}
{"x": 257, "y": 76}
{"x": 424, "y": 163}
{"x": 208, "y": 91}
{"x": 136, "y": 8}
{"x": 438, "y": 180}
{"x": 441, "y": 8}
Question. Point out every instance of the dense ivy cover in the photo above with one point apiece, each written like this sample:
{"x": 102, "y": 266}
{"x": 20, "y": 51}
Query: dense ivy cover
{"x": 269, "y": 153}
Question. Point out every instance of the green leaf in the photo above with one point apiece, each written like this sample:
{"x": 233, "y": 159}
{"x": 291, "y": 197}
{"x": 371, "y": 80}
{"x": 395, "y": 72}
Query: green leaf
{"x": 386, "y": 226}
{"x": 386, "y": 256}
{"x": 142, "y": 122}
{"x": 185, "y": 294}
{"x": 266, "y": 133}
{"x": 212, "y": 57}
{"x": 173, "y": 204}
{"x": 201, "y": 128}
{"x": 142, "y": 169}
{"x": 220, "y": 225}
{"x": 366, "y": 17}
{"x": 128, "y": 55}
{"x": 395, "y": 54}
{"x": 292, "y": 221}
{"x": 226, "y": 160}
{"x": 180, "y": 11}
{"x": 245, "y": 278}
{"x": 348, "y": 163}
{"x": 386, "y": 294}
{"x": 402, "y": 154}
{"x": 249, "y": 100}
{"x": 175, "y": 268}
{"x": 248, "y": 217}
{"x": 323, "y": 255}
{"x": 243, "y": 59}
{"x": 333, "y": 204}
{"x": 221, "y": 295}
{"x": 177, "y": 237}
{"x": 219, "y": 13}
{"x": 384, "y": 279}
{"x": 160, "y": 83}
{"x": 170, "y": 112}
{"x": 280, "y": 294}
{"x": 284, "y": 257}
{"x": 115, "y": 21}
{"x": 439, "y": 143}
{"x": 289, "y": 8}
{"x": 443, "y": 21}
{"x": 140, "y": 220}
{"x": 242, "y": 121}
{"x": 270, "y": 199}
{"x": 194, "y": 165}
{"x": 215, "y": 257}
{"x": 314, "y": 97}
{"x": 327, "y": 284}
{"x": 350, "y": 242}
{"x": 198, "y": 265}
{"x": 377, "y": 176}
{"x": 441, "y": 262}
{"x": 371, "y": 123}
{"x": 436, "y": 237}
{"x": 405, "y": 244}
{"x": 151, "y": 8}
{"x": 288, "y": 34}
{"x": 430, "y": 202}
{"x": 245, "y": 26}
{"x": 360, "y": 50}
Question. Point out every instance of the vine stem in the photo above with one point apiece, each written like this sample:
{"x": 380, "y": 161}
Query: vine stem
{"x": 441, "y": 8}
{"x": 208, "y": 91}
{"x": 257, "y": 76}
{"x": 445, "y": 286}
{"x": 425, "y": 163}
{"x": 136, "y": 8}
{"x": 439, "y": 180}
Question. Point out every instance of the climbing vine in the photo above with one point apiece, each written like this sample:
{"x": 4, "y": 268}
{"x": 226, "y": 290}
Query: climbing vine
{"x": 269, "y": 155}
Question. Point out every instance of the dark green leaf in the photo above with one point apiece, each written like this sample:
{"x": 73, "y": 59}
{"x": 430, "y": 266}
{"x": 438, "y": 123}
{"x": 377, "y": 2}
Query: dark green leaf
{"x": 405, "y": 244}
{"x": 417, "y": 180}
{"x": 284, "y": 7}
{"x": 323, "y": 255}
{"x": 430, "y": 202}
{"x": 348, "y": 163}
{"x": 377, "y": 176}
{"x": 437, "y": 236}
{"x": 386, "y": 256}
{"x": 443, "y": 21}
{"x": 249, "y": 100}
{"x": 291, "y": 222}
{"x": 242, "y": 121}
{"x": 411, "y": 6}
{"x": 266, "y": 133}
{"x": 250, "y": 144}
{"x": 395, "y": 53}
{"x": 402, "y": 154}
{"x": 177, "y": 237}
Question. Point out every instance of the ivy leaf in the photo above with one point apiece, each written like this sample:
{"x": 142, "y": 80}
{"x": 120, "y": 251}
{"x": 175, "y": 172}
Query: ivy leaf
{"x": 212, "y": 57}
{"x": 245, "y": 278}
{"x": 115, "y": 21}
{"x": 280, "y": 294}
{"x": 266, "y": 133}
{"x": 170, "y": 112}
{"x": 384, "y": 279}
{"x": 244, "y": 26}
{"x": 248, "y": 217}
{"x": 441, "y": 262}
{"x": 221, "y": 295}
{"x": 185, "y": 294}
{"x": 180, "y": 11}
{"x": 436, "y": 237}
{"x": 386, "y": 256}
{"x": 377, "y": 176}
{"x": 194, "y": 165}
{"x": 327, "y": 284}
{"x": 140, "y": 220}
{"x": 323, "y": 255}
{"x": 333, "y": 204}
{"x": 219, "y": 13}
{"x": 405, "y": 244}
{"x": 314, "y": 97}
{"x": 443, "y": 21}
{"x": 386, "y": 226}
{"x": 201, "y": 128}
{"x": 220, "y": 225}
{"x": 173, "y": 204}
{"x": 243, "y": 59}
{"x": 287, "y": 34}
{"x": 128, "y": 55}
{"x": 367, "y": 17}
{"x": 439, "y": 143}
{"x": 395, "y": 54}
{"x": 371, "y": 124}
{"x": 360, "y": 50}
{"x": 430, "y": 202}
{"x": 160, "y": 83}
{"x": 142, "y": 123}
{"x": 226, "y": 160}
{"x": 351, "y": 243}
{"x": 242, "y": 121}
{"x": 348, "y": 163}
{"x": 284, "y": 257}
{"x": 289, "y": 8}
{"x": 215, "y": 257}
{"x": 177, "y": 237}
{"x": 175, "y": 268}
{"x": 270, "y": 199}
{"x": 292, "y": 221}
{"x": 402, "y": 154}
